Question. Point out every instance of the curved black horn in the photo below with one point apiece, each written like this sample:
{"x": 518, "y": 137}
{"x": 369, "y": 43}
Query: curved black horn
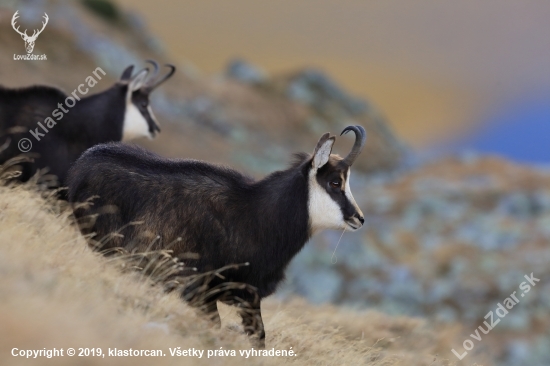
{"x": 152, "y": 78}
{"x": 360, "y": 138}
{"x": 164, "y": 78}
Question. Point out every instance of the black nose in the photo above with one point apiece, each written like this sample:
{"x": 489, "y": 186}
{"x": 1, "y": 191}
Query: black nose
{"x": 362, "y": 219}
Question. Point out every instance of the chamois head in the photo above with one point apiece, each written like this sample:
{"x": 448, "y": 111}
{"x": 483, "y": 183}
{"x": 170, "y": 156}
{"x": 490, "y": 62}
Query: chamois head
{"x": 331, "y": 204}
{"x": 139, "y": 120}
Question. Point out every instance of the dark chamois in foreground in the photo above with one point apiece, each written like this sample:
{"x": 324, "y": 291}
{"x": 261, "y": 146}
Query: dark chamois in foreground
{"x": 221, "y": 215}
{"x": 70, "y": 124}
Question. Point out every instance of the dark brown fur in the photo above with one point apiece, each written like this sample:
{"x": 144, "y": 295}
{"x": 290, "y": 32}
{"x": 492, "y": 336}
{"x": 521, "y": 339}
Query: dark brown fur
{"x": 209, "y": 215}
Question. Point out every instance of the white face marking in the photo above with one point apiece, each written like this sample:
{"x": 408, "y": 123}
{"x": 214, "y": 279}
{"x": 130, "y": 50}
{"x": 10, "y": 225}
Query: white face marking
{"x": 135, "y": 125}
{"x": 324, "y": 212}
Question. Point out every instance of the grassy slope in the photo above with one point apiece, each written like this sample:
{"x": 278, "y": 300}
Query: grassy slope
{"x": 55, "y": 292}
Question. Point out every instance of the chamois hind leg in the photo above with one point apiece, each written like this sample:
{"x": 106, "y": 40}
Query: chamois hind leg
{"x": 194, "y": 295}
{"x": 253, "y": 324}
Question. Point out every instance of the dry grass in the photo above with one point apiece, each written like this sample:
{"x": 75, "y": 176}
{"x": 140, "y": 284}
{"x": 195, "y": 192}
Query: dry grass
{"x": 55, "y": 292}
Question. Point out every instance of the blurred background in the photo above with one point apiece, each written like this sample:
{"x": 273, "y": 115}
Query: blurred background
{"x": 474, "y": 74}
{"x": 455, "y": 97}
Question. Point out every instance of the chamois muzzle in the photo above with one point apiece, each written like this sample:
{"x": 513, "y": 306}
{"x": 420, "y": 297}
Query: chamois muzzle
{"x": 360, "y": 138}
{"x": 153, "y": 83}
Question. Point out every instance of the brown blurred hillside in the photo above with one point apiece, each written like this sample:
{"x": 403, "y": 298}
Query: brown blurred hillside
{"x": 435, "y": 68}
{"x": 219, "y": 113}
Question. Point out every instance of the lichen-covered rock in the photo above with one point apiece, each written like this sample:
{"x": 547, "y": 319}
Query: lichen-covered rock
{"x": 245, "y": 72}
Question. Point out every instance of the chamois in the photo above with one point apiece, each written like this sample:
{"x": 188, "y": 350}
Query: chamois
{"x": 218, "y": 214}
{"x": 121, "y": 112}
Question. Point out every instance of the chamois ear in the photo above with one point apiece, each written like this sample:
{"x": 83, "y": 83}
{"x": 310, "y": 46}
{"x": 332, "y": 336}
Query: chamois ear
{"x": 127, "y": 74}
{"x": 322, "y": 151}
{"x": 138, "y": 81}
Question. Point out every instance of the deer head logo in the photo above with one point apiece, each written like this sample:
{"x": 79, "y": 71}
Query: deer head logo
{"x": 29, "y": 40}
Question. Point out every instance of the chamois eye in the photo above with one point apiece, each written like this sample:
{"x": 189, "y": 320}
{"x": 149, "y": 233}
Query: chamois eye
{"x": 334, "y": 184}
{"x": 144, "y": 104}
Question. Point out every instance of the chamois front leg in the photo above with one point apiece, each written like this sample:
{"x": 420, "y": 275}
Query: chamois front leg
{"x": 253, "y": 324}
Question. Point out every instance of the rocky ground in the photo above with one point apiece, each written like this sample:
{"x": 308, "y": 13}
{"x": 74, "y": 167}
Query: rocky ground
{"x": 448, "y": 241}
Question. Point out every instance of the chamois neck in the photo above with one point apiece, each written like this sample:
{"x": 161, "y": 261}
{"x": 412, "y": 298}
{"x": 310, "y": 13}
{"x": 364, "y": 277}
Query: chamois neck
{"x": 100, "y": 116}
{"x": 282, "y": 212}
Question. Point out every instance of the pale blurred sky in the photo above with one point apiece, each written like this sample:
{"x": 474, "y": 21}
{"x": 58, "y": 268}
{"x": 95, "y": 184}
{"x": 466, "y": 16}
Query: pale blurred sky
{"x": 432, "y": 67}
